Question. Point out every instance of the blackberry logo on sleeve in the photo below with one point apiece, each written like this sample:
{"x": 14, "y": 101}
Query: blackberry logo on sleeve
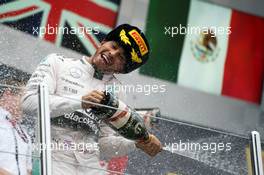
{"x": 80, "y": 119}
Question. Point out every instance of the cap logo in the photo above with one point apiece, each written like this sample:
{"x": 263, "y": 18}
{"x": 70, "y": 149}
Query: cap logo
{"x": 140, "y": 42}
{"x": 135, "y": 57}
{"x": 123, "y": 37}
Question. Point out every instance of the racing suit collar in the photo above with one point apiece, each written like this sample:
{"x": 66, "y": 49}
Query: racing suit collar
{"x": 90, "y": 67}
{"x": 92, "y": 71}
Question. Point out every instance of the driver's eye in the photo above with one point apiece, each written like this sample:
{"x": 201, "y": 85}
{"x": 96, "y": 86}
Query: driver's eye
{"x": 114, "y": 46}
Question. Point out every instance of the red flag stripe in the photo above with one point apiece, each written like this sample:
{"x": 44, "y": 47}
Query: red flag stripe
{"x": 18, "y": 12}
{"x": 244, "y": 66}
{"x": 83, "y": 8}
{"x": 89, "y": 37}
{"x": 53, "y": 22}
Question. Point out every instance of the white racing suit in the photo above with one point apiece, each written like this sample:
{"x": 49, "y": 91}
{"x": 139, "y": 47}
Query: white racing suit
{"x": 70, "y": 79}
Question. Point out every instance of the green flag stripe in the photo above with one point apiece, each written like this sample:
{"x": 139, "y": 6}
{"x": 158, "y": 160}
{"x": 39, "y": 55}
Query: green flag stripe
{"x": 165, "y": 50}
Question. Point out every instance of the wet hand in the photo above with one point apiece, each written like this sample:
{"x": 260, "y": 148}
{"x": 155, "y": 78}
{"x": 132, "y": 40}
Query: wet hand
{"x": 94, "y": 97}
{"x": 152, "y": 147}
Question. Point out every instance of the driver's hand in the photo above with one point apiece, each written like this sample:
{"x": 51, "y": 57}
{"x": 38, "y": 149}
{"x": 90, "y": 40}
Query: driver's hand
{"x": 152, "y": 147}
{"x": 94, "y": 96}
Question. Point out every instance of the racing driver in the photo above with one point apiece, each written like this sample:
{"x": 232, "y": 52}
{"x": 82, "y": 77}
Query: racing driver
{"x": 71, "y": 82}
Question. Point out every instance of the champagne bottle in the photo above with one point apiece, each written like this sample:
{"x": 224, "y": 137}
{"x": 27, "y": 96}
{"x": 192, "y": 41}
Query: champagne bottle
{"x": 122, "y": 118}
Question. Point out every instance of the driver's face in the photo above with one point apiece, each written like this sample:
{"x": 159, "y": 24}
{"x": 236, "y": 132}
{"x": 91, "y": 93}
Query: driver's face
{"x": 109, "y": 57}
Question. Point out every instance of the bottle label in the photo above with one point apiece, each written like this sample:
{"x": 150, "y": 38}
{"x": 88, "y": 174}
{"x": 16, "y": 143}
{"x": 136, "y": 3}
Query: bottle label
{"x": 121, "y": 116}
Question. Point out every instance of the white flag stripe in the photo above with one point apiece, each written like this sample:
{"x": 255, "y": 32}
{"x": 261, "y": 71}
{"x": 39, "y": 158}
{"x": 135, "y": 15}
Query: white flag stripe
{"x": 204, "y": 76}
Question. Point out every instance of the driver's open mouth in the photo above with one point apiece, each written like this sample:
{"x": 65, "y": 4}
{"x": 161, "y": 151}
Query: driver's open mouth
{"x": 106, "y": 59}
